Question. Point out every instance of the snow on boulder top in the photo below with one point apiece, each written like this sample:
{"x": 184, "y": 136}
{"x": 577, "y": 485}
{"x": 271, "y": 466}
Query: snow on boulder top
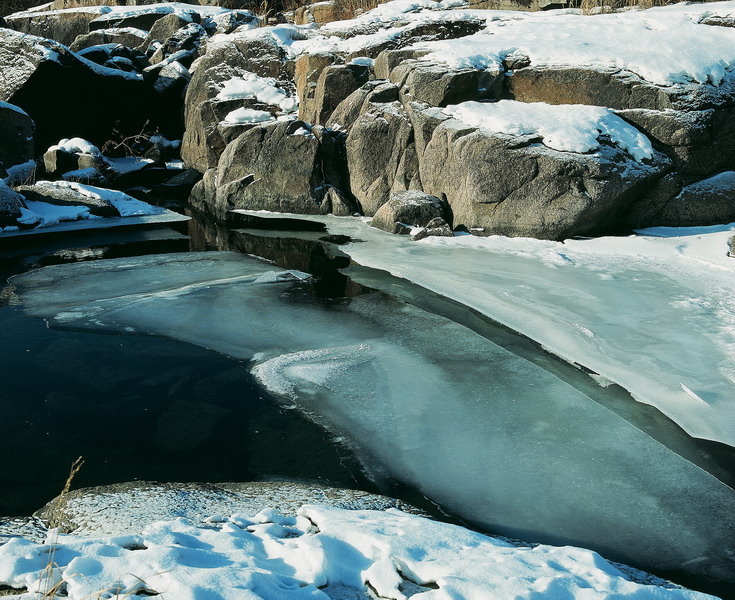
{"x": 178, "y": 8}
{"x": 247, "y": 115}
{"x": 396, "y": 10}
{"x": 262, "y": 89}
{"x": 564, "y": 127}
{"x": 77, "y": 146}
{"x": 665, "y": 45}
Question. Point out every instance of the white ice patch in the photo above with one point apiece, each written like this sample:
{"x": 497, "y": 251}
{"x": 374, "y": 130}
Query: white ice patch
{"x": 315, "y": 556}
{"x": 247, "y": 115}
{"x": 565, "y": 127}
{"x": 477, "y": 428}
{"x": 262, "y": 89}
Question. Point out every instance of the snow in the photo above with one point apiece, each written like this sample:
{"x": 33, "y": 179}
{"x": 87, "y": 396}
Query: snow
{"x": 247, "y": 115}
{"x": 128, "y": 164}
{"x": 565, "y": 127}
{"x": 315, "y": 554}
{"x": 677, "y": 48}
{"x": 18, "y": 174}
{"x": 262, "y": 89}
{"x": 76, "y": 145}
{"x": 474, "y": 426}
{"x": 88, "y": 174}
{"x": 165, "y": 142}
{"x": 47, "y": 215}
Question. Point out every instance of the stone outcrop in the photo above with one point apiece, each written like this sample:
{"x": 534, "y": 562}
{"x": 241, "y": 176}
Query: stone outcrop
{"x": 61, "y": 26}
{"x": 16, "y": 135}
{"x": 203, "y": 140}
{"x": 319, "y": 12}
{"x": 125, "y": 36}
{"x": 62, "y": 194}
{"x": 95, "y": 100}
{"x": 410, "y": 208}
{"x": 319, "y": 100}
{"x": 278, "y": 166}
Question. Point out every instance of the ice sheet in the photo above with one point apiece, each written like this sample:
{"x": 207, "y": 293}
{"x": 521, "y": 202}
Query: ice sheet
{"x": 488, "y": 434}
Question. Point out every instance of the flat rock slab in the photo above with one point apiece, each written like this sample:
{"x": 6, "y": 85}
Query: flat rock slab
{"x": 119, "y": 509}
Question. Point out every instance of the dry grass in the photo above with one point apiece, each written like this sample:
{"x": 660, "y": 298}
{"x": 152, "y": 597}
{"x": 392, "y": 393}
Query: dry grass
{"x": 8, "y": 7}
{"x": 596, "y": 7}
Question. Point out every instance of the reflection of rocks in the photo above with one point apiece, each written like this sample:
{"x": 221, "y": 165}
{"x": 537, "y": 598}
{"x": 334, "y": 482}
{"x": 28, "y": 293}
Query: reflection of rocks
{"x": 187, "y": 424}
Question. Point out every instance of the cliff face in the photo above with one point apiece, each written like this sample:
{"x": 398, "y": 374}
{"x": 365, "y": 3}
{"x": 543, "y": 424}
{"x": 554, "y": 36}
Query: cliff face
{"x": 546, "y": 124}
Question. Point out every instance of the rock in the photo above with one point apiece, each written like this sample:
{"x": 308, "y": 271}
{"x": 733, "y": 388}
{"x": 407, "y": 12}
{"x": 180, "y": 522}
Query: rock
{"x": 335, "y": 83}
{"x": 140, "y": 20}
{"x": 510, "y": 185}
{"x": 360, "y": 101}
{"x": 731, "y": 244}
{"x": 16, "y": 135}
{"x": 320, "y": 13}
{"x": 64, "y": 193}
{"x": 203, "y": 142}
{"x": 700, "y": 142}
{"x": 121, "y": 101}
{"x": 231, "y": 20}
{"x": 60, "y": 4}
{"x": 71, "y": 155}
{"x": 336, "y": 203}
{"x": 381, "y": 157}
{"x": 308, "y": 68}
{"x": 178, "y": 186}
{"x": 163, "y": 29}
{"x": 275, "y": 167}
{"x": 119, "y": 509}
{"x": 125, "y": 36}
{"x": 172, "y": 80}
{"x": 436, "y": 227}
{"x": 62, "y": 26}
{"x": 10, "y": 203}
{"x": 412, "y": 208}
{"x": 706, "y": 202}
{"x": 434, "y": 84}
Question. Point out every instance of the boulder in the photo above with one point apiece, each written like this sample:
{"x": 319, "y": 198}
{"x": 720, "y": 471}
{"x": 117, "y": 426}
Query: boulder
{"x": 10, "y": 204}
{"x": 125, "y": 36}
{"x": 95, "y": 101}
{"x": 72, "y": 155}
{"x": 231, "y": 20}
{"x": 64, "y": 193}
{"x": 335, "y": 83}
{"x": 381, "y": 156}
{"x": 360, "y": 101}
{"x": 412, "y": 208}
{"x": 203, "y": 142}
{"x": 436, "y": 227}
{"x": 526, "y": 5}
{"x": 16, "y": 135}
{"x": 63, "y": 26}
{"x": 277, "y": 167}
{"x": 143, "y": 19}
{"x": 163, "y": 29}
{"x": 512, "y": 185}
{"x": 308, "y": 68}
{"x": 60, "y": 4}
{"x": 707, "y": 202}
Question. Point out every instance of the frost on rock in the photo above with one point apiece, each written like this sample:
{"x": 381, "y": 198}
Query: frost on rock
{"x": 475, "y": 427}
{"x": 315, "y": 555}
{"x": 568, "y": 128}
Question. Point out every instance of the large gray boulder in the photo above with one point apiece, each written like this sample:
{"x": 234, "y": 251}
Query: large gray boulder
{"x": 63, "y": 193}
{"x": 203, "y": 142}
{"x": 408, "y": 208}
{"x": 318, "y": 101}
{"x": 16, "y": 135}
{"x": 381, "y": 156}
{"x": 10, "y": 203}
{"x": 63, "y": 26}
{"x": 125, "y": 36}
{"x": 706, "y": 202}
{"x": 513, "y": 185}
{"x": 277, "y": 167}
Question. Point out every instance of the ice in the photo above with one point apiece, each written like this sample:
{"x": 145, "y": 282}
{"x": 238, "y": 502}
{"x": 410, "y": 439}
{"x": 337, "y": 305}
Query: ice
{"x": 660, "y": 306}
{"x": 486, "y": 433}
{"x": 564, "y": 127}
{"x": 48, "y": 215}
{"x": 314, "y": 555}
